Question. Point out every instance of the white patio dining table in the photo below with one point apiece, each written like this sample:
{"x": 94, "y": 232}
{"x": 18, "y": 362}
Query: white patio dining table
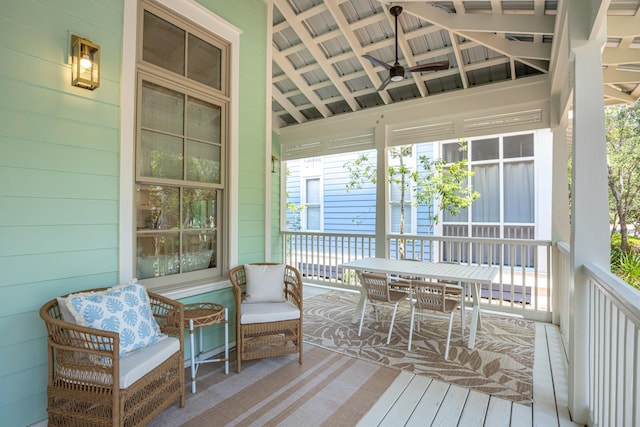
{"x": 472, "y": 274}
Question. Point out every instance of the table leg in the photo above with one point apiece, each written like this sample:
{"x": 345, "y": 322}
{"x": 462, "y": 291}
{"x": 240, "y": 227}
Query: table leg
{"x": 359, "y": 308}
{"x": 463, "y": 312}
{"x": 193, "y": 358}
{"x": 475, "y": 317}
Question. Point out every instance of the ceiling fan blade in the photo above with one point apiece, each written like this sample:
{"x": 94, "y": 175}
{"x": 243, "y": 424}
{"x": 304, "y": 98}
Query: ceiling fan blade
{"x": 376, "y": 61}
{"x": 384, "y": 84}
{"x": 432, "y": 66}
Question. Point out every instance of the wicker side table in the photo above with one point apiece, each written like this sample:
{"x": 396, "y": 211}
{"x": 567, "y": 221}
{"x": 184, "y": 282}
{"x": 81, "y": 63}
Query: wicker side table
{"x": 199, "y": 315}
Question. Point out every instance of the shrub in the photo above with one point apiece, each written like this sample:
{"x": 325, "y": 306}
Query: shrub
{"x": 626, "y": 265}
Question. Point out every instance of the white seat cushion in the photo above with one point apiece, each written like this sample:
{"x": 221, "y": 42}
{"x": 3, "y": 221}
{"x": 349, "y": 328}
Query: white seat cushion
{"x": 263, "y": 312}
{"x": 136, "y": 364}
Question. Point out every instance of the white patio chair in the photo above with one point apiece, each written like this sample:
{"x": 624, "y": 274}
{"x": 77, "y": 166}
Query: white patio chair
{"x": 378, "y": 294}
{"x": 430, "y": 299}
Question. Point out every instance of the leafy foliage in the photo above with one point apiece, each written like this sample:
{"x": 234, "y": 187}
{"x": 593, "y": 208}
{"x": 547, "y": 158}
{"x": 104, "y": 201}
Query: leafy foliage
{"x": 622, "y": 124}
{"x": 626, "y": 263}
{"x": 439, "y": 185}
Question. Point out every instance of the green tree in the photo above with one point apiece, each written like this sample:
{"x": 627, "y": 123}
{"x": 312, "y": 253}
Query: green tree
{"x": 439, "y": 185}
{"x": 622, "y": 124}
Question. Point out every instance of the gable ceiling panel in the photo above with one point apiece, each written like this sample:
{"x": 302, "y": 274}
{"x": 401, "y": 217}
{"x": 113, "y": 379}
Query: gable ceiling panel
{"x": 318, "y": 69}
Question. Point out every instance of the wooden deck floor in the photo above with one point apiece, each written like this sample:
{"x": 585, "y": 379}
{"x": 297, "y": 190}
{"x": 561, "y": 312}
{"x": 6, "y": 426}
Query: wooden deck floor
{"x": 416, "y": 400}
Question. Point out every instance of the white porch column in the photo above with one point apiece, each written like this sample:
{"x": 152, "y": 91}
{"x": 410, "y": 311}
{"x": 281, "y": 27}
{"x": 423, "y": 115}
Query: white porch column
{"x": 560, "y": 230}
{"x": 589, "y": 206}
{"x": 382, "y": 188}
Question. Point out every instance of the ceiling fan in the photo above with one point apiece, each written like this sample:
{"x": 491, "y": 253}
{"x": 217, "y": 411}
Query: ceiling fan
{"x": 397, "y": 71}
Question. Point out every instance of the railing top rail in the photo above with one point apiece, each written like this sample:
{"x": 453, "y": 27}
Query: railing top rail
{"x": 564, "y": 247}
{"x": 532, "y": 242}
{"x": 471, "y": 239}
{"x": 320, "y": 233}
{"x": 623, "y": 295}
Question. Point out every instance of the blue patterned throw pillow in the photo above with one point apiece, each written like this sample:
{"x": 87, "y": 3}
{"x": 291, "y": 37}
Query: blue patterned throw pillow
{"x": 124, "y": 309}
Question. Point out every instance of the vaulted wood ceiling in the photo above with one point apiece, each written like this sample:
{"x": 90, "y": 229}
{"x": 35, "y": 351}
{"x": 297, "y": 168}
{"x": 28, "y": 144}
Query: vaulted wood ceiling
{"x": 318, "y": 47}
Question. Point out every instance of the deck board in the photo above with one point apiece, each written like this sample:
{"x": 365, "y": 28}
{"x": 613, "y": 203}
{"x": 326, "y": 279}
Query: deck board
{"x": 429, "y": 405}
{"x": 475, "y": 409}
{"x": 411, "y": 396}
{"x": 415, "y": 400}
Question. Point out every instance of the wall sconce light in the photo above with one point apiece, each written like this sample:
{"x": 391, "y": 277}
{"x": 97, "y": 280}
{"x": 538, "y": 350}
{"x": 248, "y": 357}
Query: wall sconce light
{"x": 275, "y": 164}
{"x": 85, "y": 63}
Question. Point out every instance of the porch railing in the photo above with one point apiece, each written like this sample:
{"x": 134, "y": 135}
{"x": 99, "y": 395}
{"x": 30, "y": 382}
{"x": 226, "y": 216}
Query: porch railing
{"x": 614, "y": 342}
{"x": 614, "y": 349}
{"x": 523, "y": 284}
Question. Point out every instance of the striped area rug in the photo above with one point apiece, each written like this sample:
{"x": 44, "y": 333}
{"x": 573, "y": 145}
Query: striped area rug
{"x": 328, "y": 389}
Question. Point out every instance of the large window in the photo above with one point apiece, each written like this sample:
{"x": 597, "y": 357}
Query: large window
{"x": 503, "y": 168}
{"x": 181, "y": 136}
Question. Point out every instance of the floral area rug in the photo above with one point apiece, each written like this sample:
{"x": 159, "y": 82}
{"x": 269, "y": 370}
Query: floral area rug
{"x": 501, "y": 364}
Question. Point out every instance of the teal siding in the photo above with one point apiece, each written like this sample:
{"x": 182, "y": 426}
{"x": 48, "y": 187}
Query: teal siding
{"x": 59, "y": 173}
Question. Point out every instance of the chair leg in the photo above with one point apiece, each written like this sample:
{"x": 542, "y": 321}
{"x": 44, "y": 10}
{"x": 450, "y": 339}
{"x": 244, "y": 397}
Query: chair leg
{"x": 413, "y": 311}
{"x": 446, "y": 352}
{"x": 393, "y": 318}
{"x": 463, "y": 312}
{"x": 364, "y": 308}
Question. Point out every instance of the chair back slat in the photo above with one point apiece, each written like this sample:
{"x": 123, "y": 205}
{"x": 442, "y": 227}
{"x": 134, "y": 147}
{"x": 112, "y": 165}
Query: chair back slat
{"x": 376, "y": 286}
{"x": 429, "y": 295}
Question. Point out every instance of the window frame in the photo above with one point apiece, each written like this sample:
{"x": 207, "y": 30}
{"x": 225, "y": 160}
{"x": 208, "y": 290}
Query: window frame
{"x": 204, "y": 18}
{"x": 500, "y": 161}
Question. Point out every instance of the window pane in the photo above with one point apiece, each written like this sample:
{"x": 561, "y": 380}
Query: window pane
{"x": 461, "y": 216}
{"x": 157, "y": 207}
{"x": 205, "y": 62}
{"x": 485, "y": 149}
{"x": 486, "y": 208}
{"x": 162, "y": 109}
{"x": 395, "y": 192}
{"x": 313, "y": 217}
{"x": 313, "y": 191}
{"x": 203, "y": 120}
{"x": 163, "y": 44}
{"x": 203, "y": 162}
{"x": 199, "y": 208}
{"x": 158, "y": 255}
{"x": 518, "y": 146}
{"x": 198, "y": 251}
{"x": 518, "y": 192}
{"x": 161, "y": 156}
{"x": 396, "y": 215}
{"x": 452, "y": 152}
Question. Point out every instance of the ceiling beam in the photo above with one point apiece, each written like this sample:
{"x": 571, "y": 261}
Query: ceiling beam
{"x": 356, "y": 48}
{"x": 518, "y": 24}
{"x": 613, "y": 76}
{"x": 617, "y": 56}
{"x": 610, "y": 92}
{"x": 623, "y": 26}
{"x": 288, "y": 106}
{"x": 300, "y": 83}
{"x": 492, "y": 41}
{"x": 317, "y": 53}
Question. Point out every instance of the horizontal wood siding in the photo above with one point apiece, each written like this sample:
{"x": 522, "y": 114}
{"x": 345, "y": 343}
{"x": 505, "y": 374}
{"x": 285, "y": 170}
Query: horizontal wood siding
{"x": 59, "y": 168}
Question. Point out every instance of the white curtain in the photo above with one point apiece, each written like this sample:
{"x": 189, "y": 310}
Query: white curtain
{"x": 486, "y": 181}
{"x": 518, "y": 192}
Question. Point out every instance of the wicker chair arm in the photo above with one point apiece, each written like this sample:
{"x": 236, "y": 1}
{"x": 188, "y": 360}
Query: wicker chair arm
{"x": 293, "y": 288}
{"x": 168, "y": 313}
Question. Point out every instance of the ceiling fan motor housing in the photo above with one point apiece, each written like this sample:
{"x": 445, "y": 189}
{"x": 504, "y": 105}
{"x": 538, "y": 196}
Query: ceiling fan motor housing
{"x": 396, "y": 73}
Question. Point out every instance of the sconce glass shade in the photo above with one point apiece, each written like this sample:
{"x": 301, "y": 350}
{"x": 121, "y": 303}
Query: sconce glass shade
{"x": 275, "y": 164}
{"x": 85, "y": 63}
